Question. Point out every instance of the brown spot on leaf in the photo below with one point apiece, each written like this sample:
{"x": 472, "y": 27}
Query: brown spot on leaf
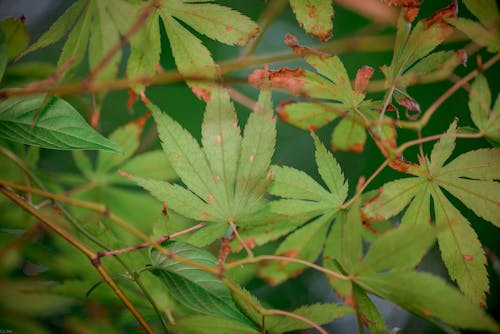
{"x": 411, "y": 13}
{"x": 229, "y": 28}
{"x": 468, "y": 257}
{"x": 426, "y": 313}
{"x": 303, "y": 51}
{"x": 125, "y": 174}
{"x": 284, "y": 78}
{"x": 462, "y": 56}
{"x": 224, "y": 250}
{"x": 282, "y": 114}
{"x": 57, "y": 209}
{"x": 209, "y": 198}
{"x": 362, "y": 78}
{"x": 132, "y": 97}
{"x": 450, "y": 11}
{"x": 201, "y": 93}
{"x": 164, "y": 209}
{"x": 205, "y": 215}
{"x": 312, "y": 12}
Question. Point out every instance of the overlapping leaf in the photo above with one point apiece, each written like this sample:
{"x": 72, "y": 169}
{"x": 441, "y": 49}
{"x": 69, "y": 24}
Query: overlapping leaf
{"x": 225, "y": 179}
{"x": 92, "y": 25}
{"x": 304, "y": 199}
{"x": 471, "y": 178}
{"x": 198, "y": 290}
{"x": 486, "y": 119}
{"x": 340, "y": 98}
{"x": 486, "y": 32}
{"x": 53, "y": 124}
{"x": 315, "y": 16}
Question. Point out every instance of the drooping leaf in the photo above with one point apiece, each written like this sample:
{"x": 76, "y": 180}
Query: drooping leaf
{"x": 198, "y": 290}
{"x": 471, "y": 178}
{"x": 428, "y": 296}
{"x": 320, "y": 314}
{"x": 54, "y": 125}
{"x": 399, "y": 248}
{"x": 15, "y": 36}
{"x": 207, "y": 324}
{"x": 315, "y": 16}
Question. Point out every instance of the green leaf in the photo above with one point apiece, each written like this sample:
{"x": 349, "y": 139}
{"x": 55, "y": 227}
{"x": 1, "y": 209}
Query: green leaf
{"x": 482, "y": 164}
{"x": 206, "y": 324}
{"x": 478, "y": 33}
{"x": 368, "y": 311}
{"x": 442, "y": 149}
{"x": 198, "y": 290}
{"x": 152, "y": 164}
{"x": 127, "y": 136}
{"x": 315, "y": 16}
{"x": 83, "y": 163}
{"x": 330, "y": 171}
{"x": 257, "y": 149}
{"x": 217, "y": 22}
{"x": 480, "y": 196}
{"x": 394, "y": 196}
{"x": 104, "y": 35}
{"x": 290, "y": 182}
{"x": 184, "y": 154}
{"x": 305, "y": 243}
{"x": 193, "y": 60}
{"x": 57, "y": 125}
{"x": 348, "y": 136}
{"x": 307, "y": 115}
{"x": 246, "y": 304}
{"x": 15, "y": 36}
{"x": 221, "y": 141}
{"x": 60, "y": 27}
{"x": 428, "y": 296}
{"x": 399, "y": 248}
{"x": 485, "y": 10}
{"x": 484, "y": 118}
{"x": 78, "y": 40}
{"x": 179, "y": 199}
{"x": 145, "y": 49}
{"x": 344, "y": 242}
{"x": 461, "y": 250}
{"x": 320, "y": 314}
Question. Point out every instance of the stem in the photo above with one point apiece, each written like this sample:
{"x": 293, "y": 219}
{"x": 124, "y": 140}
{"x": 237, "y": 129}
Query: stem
{"x": 353, "y": 44}
{"x": 406, "y": 145}
{"x": 92, "y": 256}
{"x": 242, "y": 242}
{"x": 145, "y": 245}
{"x": 299, "y": 317}
{"x": 260, "y": 258}
{"x": 363, "y": 187}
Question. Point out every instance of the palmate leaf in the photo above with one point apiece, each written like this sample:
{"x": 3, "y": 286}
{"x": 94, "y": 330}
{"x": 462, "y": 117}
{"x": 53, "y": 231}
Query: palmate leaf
{"x": 332, "y": 85}
{"x": 192, "y": 58}
{"x": 53, "y": 124}
{"x": 315, "y": 16}
{"x": 428, "y": 296}
{"x": 225, "y": 179}
{"x": 304, "y": 199}
{"x": 198, "y": 290}
{"x": 471, "y": 179}
{"x": 93, "y": 25}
